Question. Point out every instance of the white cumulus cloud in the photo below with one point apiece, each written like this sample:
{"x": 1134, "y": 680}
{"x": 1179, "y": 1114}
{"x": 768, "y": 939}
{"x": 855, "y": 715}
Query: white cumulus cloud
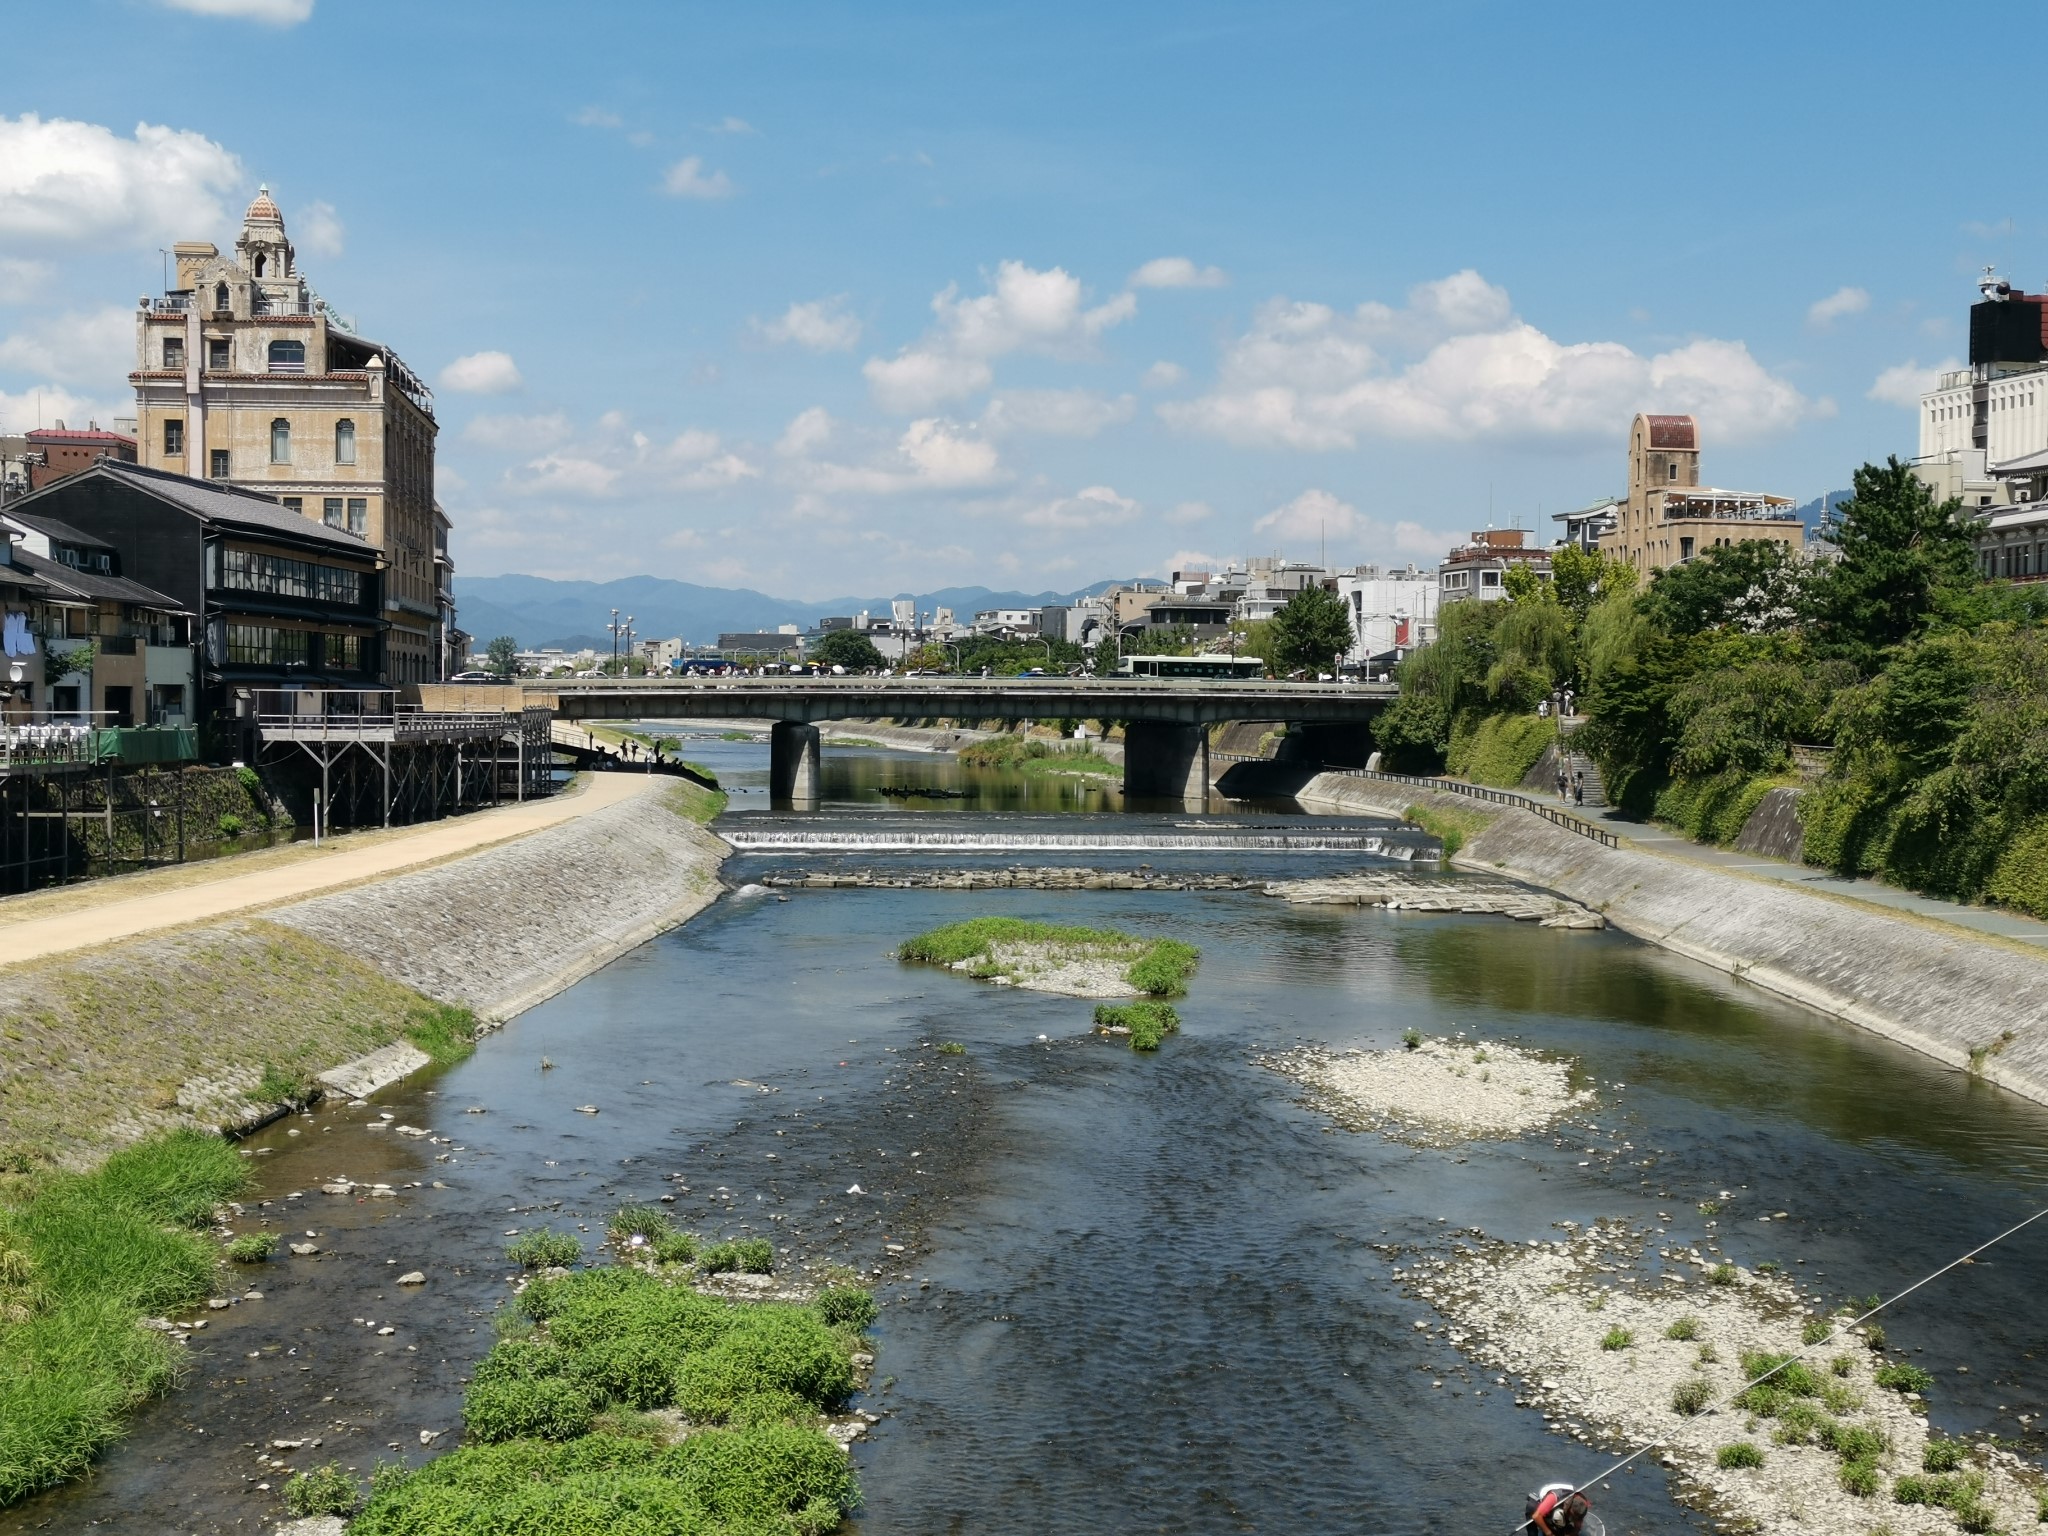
{"x": 1177, "y": 272}
{"x": 1843, "y": 301}
{"x": 808, "y": 431}
{"x": 1190, "y": 512}
{"x": 1055, "y": 412}
{"x": 511, "y": 434}
{"x": 1904, "y": 383}
{"x": 1095, "y": 506}
{"x": 932, "y": 454}
{"x": 1455, "y": 363}
{"x": 1025, "y": 310}
{"x": 95, "y": 350}
{"x": 482, "y": 373}
{"x": 822, "y": 325}
{"x": 1311, "y": 515}
{"x": 72, "y": 183}
{"x": 25, "y": 410}
{"x": 272, "y": 13}
{"x": 1164, "y": 375}
{"x": 687, "y": 178}
{"x": 317, "y": 230}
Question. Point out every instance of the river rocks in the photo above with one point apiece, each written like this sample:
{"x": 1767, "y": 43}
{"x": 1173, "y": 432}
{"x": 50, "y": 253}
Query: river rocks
{"x": 411, "y": 1130}
{"x": 314, "y": 1525}
{"x": 1439, "y": 1092}
{"x": 586, "y": 1109}
{"x": 1072, "y": 970}
{"x": 412, "y": 1277}
{"x": 304, "y": 1250}
{"x": 1409, "y": 893}
{"x": 1596, "y": 1357}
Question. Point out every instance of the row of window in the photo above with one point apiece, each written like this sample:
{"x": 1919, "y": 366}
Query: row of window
{"x": 267, "y": 645}
{"x": 247, "y": 571}
{"x": 281, "y": 357}
{"x": 280, "y": 443}
{"x": 2015, "y": 401}
{"x": 2012, "y": 560}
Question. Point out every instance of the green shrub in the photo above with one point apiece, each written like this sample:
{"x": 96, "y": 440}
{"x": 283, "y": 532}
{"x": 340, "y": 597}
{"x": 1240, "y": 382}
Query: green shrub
{"x": 648, "y": 1221}
{"x": 282, "y": 1085}
{"x": 229, "y": 824}
{"x": 1900, "y": 1377}
{"x": 1842, "y": 1365}
{"x": 547, "y": 1408}
{"x": 1944, "y": 1455}
{"x": 1691, "y": 1397}
{"x": 544, "y": 1249}
{"x": 764, "y": 1350}
{"x": 1860, "y": 1478}
{"x": 1838, "y": 1397}
{"x": 1722, "y": 1274}
{"x": 323, "y": 1491}
{"x": 952, "y": 1048}
{"x": 1873, "y": 1335}
{"x": 251, "y": 1247}
{"x": 1617, "y": 1338}
{"x": 846, "y": 1306}
{"x": 1740, "y": 1454}
{"x": 1854, "y": 1442}
{"x": 1817, "y": 1331}
{"x": 1800, "y": 1424}
{"x": 251, "y": 784}
{"x": 748, "y": 1256}
{"x": 1412, "y": 1039}
{"x": 1148, "y": 1023}
{"x": 674, "y": 1248}
{"x": 1500, "y": 749}
{"x": 1164, "y": 969}
{"x": 447, "y": 1034}
{"x": 1683, "y": 1328}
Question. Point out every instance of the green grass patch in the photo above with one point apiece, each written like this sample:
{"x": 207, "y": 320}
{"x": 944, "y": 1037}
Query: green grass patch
{"x": 1944, "y": 1455}
{"x": 630, "y": 1221}
{"x": 748, "y": 1256}
{"x": 284, "y": 1085}
{"x": 1691, "y": 1397}
{"x": 560, "y": 1444}
{"x": 323, "y": 1491}
{"x": 1148, "y": 1023}
{"x": 1900, "y": 1377}
{"x": 544, "y": 1249}
{"x": 1617, "y": 1338}
{"x": 1739, "y": 1454}
{"x": 1683, "y": 1328}
{"x": 952, "y": 1048}
{"x": 1034, "y": 754}
{"x": 252, "y": 1248}
{"x": 93, "y": 1254}
{"x": 1501, "y": 749}
{"x": 1159, "y": 967}
{"x": 693, "y": 802}
{"x": 1450, "y": 827}
{"x": 1722, "y": 1274}
{"x": 447, "y": 1034}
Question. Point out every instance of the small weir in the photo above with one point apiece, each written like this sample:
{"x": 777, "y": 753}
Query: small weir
{"x": 908, "y": 840}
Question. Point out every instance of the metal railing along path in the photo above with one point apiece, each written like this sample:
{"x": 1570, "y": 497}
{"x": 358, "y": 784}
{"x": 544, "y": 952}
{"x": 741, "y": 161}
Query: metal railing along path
{"x": 1549, "y": 813}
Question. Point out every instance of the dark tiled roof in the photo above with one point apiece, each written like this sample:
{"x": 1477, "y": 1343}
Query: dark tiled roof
{"x": 64, "y": 533}
{"x": 216, "y": 504}
{"x": 63, "y": 581}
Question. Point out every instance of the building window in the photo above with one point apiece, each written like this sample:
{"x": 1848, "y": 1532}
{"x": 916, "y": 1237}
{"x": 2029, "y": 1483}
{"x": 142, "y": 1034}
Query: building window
{"x": 265, "y": 645}
{"x": 174, "y": 438}
{"x": 218, "y": 464}
{"x": 217, "y": 356}
{"x": 174, "y": 351}
{"x": 1489, "y": 578}
{"x": 359, "y": 516}
{"x": 287, "y": 357}
{"x": 220, "y": 296}
{"x": 344, "y": 442}
{"x": 280, "y": 441}
{"x": 343, "y": 653}
{"x": 244, "y": 570}
{"x": 294, "y": 503}
{"x": 330, "y": 511}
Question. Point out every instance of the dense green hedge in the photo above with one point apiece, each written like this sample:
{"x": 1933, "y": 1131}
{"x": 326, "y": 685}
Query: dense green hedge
{"x": 1498, "y": 749}
{"x": 1715, "y": 809}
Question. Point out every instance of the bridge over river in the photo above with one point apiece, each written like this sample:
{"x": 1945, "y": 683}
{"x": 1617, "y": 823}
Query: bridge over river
{"x": 1166, "y": 742}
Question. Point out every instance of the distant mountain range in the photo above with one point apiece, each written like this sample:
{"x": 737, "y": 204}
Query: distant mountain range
{"x": 539, "y": 612}
{"x": 1810, "y": 513}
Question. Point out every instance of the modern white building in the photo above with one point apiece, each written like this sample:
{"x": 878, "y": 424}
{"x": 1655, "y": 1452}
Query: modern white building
{"x": 1393, "y": 610}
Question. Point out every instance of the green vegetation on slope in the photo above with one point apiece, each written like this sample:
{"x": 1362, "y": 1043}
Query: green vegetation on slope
{"x": 1160, "y": 967}
{"x": 1148, "y": 1023}
{"x": 693, "y": 802}
{"x": 1448, "y": 825}
{"x": 1034, "y": 754}
{"x": 83, "y": 1259}
{"x": 1498, "y": 749}
{"x": 560, "y": 1445}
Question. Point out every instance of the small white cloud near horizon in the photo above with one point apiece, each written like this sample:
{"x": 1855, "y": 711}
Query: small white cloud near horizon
{"x": 71, "y": 183}
{"x": 271, "y": 13}
{"x": 1025, "y": 310}
{"x": 46, "y": 405}
{"x": 482, "y": 373}
{"x": 807, "y": 431}
{"x": 94, "y": 348}
{"x": 1843, "y": 301}
{"x": 1192, "y": 560}
{"x": 686, "y": 178}
{"x": 1164, "y": 375}
{"x": 1314, "y": 514}
{"x": 1177, "y": 272}
{"x": 317, "y": 230}
{"x": 821, "y": 325}
{"x": 1904, "y": 383}
{"x": 1095, "y": 506}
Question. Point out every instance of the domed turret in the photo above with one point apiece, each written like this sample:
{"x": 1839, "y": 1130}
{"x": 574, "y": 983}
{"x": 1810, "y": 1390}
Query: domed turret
{"x": 263, "y": 210}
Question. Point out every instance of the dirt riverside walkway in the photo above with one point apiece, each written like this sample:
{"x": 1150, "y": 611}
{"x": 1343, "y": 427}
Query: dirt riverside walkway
{"x": 30, "y": 933}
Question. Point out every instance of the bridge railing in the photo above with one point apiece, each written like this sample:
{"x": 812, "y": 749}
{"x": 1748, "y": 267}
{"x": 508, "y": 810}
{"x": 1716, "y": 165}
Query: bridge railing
{"x": 1550, "y": 813}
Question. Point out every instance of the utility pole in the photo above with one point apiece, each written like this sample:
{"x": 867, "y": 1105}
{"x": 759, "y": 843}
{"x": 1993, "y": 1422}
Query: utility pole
{"x": 614, "y": 628}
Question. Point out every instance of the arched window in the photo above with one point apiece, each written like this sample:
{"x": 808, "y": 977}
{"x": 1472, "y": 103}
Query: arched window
{"x": 220, "y": 295}
{"x": 287, "y": 357}
{"x": 344, "y": 442}
{"x": 261, "y": 264}
{"x": 280, "y": 441}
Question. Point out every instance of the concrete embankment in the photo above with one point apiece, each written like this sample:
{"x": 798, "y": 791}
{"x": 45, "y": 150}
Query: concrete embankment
{"x": 1968, "y": 1002}
{"x": 208, "y": 1024}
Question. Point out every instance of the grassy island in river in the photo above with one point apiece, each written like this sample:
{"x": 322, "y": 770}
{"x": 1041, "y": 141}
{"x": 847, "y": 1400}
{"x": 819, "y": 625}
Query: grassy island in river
{"x": 1023, "y": 953}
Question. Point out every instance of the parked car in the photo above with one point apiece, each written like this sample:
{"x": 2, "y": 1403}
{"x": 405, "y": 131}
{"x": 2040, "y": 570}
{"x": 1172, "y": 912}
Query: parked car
{"x": 473, "y": 677}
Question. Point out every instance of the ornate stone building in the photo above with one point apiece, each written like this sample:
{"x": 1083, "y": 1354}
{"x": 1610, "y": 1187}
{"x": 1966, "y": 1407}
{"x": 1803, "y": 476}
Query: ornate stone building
{"x": 243, "y": 375}
{"x": 1669, "y": 517}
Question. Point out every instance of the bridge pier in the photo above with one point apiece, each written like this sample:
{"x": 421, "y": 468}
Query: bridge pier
{"x": 793, "y": 761}
{"x": 1164, "y": 760}
{"x": 1331, "y": 745}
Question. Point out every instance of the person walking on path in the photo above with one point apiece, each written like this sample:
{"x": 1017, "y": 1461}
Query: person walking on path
{"x": 1578, "y": 788}
{"x": 1563, "y": 784}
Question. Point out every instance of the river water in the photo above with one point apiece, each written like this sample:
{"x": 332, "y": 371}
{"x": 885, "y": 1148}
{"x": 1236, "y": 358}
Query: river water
{"x": 1133, "y": 1293}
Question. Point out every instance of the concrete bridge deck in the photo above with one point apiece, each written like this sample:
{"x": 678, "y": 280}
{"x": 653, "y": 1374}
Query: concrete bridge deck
{"x": 1166, "y": 746}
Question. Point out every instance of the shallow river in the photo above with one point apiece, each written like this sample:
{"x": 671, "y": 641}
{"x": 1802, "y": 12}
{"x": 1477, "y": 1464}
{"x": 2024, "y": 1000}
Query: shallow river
{"x": 1134, "y": 1293}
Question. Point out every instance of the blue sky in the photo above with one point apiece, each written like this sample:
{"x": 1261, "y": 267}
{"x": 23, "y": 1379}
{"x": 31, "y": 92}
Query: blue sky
{"x": 828, "y": 299}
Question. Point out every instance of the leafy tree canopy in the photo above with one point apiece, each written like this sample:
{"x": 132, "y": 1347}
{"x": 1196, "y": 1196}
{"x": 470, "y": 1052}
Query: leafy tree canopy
{"x": 1311, "y": 631}
{"x": 847, "y": 648}
{"x": 1905, "y": 559}
{"x": 502, "y": 655}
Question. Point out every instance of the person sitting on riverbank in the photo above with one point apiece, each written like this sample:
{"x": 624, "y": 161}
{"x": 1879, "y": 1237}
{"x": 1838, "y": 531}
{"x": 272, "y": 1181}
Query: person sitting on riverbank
{"x": 1556, "y": 1509}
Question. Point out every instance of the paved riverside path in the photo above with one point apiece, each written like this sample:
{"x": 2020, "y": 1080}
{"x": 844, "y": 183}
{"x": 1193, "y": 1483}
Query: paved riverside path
{"x": 1648, "y": 837}
{"x": 34, "y": 935}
